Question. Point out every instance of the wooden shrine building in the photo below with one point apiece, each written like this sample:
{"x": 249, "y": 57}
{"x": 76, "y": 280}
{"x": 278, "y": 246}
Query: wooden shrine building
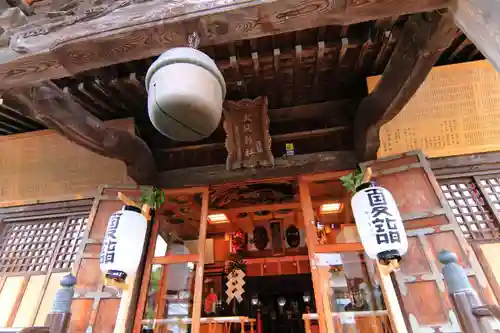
{"x": 75, "y": 132}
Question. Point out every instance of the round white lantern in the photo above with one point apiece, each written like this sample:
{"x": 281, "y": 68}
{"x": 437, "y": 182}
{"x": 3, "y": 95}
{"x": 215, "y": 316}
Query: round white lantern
{"x": 123, "y": 243}
{"x": 185, "y": 94}
{"x": 379, "y": 224}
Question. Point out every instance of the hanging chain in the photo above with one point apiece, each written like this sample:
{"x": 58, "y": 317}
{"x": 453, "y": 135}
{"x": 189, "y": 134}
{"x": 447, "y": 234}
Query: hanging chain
{"x": 194, "y": 40}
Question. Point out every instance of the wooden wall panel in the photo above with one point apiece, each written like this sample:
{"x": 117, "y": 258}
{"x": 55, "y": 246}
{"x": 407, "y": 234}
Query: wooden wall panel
{"x": 447, "y": 240}
{"x": 8, "y": 297}
{"x": 288, "y": 267}
{"x": 27, "y": 309}
{"x": 425, "y": 292}
{"x": 304, "y": 267}
{"x": 48, "y": 297}
{"x": 43, "y": 165}
{"x": 106, "y": 316}
{"x": 411, "y": 190}
{"x": 89, "y": 275}
{"x": 81, "y": 309}
{"x": 488, "y": 256}
{"x": 254, "y": 270}
{"x": 221, "y": 248}
{"x": 491, "y": 252}
{"x": 415, "y": 262}
{"x": 423, "y": 206}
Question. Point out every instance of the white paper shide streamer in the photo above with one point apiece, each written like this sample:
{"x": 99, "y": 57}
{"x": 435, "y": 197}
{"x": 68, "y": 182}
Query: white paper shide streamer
{"x": 234, "y": 284}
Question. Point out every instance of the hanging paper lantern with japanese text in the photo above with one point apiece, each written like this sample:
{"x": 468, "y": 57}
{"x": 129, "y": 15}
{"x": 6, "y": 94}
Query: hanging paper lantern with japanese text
{"x": 379, "y": 223}
{"x": 123, "y": 243}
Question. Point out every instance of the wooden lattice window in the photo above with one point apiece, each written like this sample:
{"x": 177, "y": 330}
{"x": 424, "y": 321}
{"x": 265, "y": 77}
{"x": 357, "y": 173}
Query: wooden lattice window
{"x": 41, "y": 245}
{"x": 491, "y": 188}
{"x": 472, "y": 201}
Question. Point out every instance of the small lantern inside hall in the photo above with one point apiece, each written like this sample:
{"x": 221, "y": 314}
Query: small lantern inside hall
{"x": 379, "y": 224}
{"x": 123, "y": 243}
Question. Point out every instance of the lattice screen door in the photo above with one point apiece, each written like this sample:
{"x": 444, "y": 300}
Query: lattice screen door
{"x": 38, "y": 246}
{"x": 475, "y": 203}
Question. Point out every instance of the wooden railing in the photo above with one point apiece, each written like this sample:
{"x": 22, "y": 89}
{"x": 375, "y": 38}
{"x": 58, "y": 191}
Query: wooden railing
{"x": 25, "y": 330}
{"x": 57, "y": 321}
{"x": 354, "y": 321}
{"x": 212, "y": 322}
{"x": 473, "y": 315}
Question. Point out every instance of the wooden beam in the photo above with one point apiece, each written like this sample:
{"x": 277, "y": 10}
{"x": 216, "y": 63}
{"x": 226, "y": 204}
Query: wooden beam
{"x": 120, "y": 31}
{"x": 48, "y": 104}
{"x": 286, "y": 137}
{"x": 480, "y": 21}
{"x": 423, "y": 39}
{"x": 336, "y": 113}
{"x": 457, "y": 166}
{"x": 290, "y": 167}
{"x": 339, "y": 112}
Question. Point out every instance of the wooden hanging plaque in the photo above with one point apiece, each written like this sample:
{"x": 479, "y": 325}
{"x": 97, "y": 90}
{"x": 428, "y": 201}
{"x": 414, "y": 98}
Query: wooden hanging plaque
{"x": 248, "y": 142}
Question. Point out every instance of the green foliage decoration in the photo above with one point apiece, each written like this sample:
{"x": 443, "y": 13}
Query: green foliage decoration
{"x": 352, "y": 180}
{"x": 154, "y": 197}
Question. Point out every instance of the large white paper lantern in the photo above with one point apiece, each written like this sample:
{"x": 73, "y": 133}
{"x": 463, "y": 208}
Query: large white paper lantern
{"x": 379, "y": 224}
{"x": 185, "y": 94}
{"x": 123, "y": 243}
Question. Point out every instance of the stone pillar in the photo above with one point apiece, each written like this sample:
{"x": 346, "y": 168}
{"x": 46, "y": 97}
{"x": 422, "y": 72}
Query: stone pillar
{"x": 60, "y": 315}
{"x": 463, "y": 296}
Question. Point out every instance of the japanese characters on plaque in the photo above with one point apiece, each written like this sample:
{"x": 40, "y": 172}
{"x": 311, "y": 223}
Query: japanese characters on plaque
{"x": 248, "y": 142}
{"x": 109, "y": 244}
{"x": 379, "y": 222}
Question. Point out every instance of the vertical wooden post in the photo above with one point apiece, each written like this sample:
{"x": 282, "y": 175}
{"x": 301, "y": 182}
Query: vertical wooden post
{"x": 391, "y": 301}
{"x": 125, "y": 304}
{"x": 325, "y": 320}
{"x": 198, "y": 282}
{"x": 60, "y": 315}
{"x": 463, "y": 296}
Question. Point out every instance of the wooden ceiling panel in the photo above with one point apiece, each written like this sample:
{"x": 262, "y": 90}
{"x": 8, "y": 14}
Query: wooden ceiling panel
{"x": 295, "y": 69}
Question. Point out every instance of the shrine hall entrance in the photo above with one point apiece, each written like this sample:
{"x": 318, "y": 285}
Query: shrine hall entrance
{"x": 255, "y": 274}
{"x": 279, "y": 301}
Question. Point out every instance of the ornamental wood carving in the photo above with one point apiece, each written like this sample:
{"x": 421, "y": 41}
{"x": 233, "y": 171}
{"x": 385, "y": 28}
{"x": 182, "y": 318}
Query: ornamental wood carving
{"x": 65, "y": 37}
{"x": 248, "y": 142}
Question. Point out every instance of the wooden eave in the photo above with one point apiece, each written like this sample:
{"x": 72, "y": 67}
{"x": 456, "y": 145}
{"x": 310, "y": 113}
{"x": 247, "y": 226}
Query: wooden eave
{"x": 123, "y": 31}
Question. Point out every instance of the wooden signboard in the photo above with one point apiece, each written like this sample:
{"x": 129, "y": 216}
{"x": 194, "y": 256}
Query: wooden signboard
{"x": 454, "y": 112}
{"x": 248, "y": 142}
{"x": 43, "y": 165}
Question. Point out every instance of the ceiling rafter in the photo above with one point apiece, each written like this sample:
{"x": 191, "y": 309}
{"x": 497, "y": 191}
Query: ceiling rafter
{"x": 422, "y": 41}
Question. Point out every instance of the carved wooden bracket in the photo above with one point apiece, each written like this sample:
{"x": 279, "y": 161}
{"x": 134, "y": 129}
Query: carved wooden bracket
{"x": 423, "y": 39}
{"x": 48, "y": 104}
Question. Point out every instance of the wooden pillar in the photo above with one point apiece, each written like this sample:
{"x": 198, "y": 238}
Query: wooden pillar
{"x": 463, "y": 296}
{"x": 60, "y": 315}
{"x": 198, "y": 283}
{"x": 325, "y": 319}
{"x": 480, "y": 21}
{"x": 391, "y": 301}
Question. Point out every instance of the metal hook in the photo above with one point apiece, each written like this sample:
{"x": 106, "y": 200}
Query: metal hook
{"x": 194, "y": 40}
